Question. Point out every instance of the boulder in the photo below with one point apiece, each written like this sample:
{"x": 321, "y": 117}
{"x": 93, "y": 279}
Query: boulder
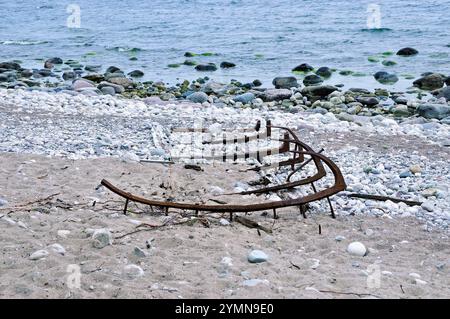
{"x": 117, "y": 88}
{"x": 285, "y": 82}
{"x": 430, "y": 82}
{"x": 227, "y": 65}
{"x": 136, "y": 74}
{"x": 69, "y": 75}
{"x": 206, "y": 67}
{"x": 407, "y": 52}
{"x": 112, "y": 69}
{"x": 385, "y": 77}
{"x": 319, "y": 90}
{"x": 304, "y": 67}
{"x": 324, "y": 72}
{"x": 276, "y": 95}
{"x": 126, "y": 83}
{"x": 10, "y": 65}
{"x": 444, "y": 93}
{"x": 434, "y": 111}
{"x": 245, "y": 98}
{"x": 367, "y": 100}
{"x": 80, "y": 84}
{"x": 311, "y": 80}
{"x": 95, "y": 77}
{"x": 198, "y": 97}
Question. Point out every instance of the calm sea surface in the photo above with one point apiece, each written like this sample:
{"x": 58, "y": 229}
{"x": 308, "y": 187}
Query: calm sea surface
{"x": 264, "y": 38}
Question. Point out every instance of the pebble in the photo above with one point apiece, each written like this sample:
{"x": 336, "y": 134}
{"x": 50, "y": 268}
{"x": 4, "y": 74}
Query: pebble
{"x": 39, "y": 254}
{"x": 428, "y": 206}
{"x": 224, "y": 222}
{"x": 415, "y": 169}
{"x": 368, "y": 232}
{"x": 63, "y": 233}
{"x": 357, "y": 249}
{"x": 101, "y": 238}
{"x": 133, "y": 271}
{"x": 255, "y": 282}
{"x": 57, "y": 248}
{"x": 3, "y": 202}
{"x": 339, "y": 238}
{"x": 257, "y": 256}
{"x": 138, "y": 252}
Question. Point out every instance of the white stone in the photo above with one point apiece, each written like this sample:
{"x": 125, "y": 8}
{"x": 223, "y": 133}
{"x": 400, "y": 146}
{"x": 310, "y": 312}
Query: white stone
{"x": 63, "y": 233}
{"x": 255, "y": 282}
{"x": 133, "y": 271}
{"x": 224, "y": 222}
{"x": 101, "y": 238}
{"x": 357, "y": 249}
{"x": 39, "y": 254}
{"x": 414, "y": 275}
{"x": 369, "y": 232}
{"x": 57, "y": 248}
{"x": 420, "y": 282}
{"x": 339, "y": 238}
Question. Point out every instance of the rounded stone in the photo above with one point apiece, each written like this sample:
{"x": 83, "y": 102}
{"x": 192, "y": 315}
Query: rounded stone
{"x": 357, "y": 249}
{"x": 101, "y": 238}
{"x": 133, "y": 271}
{"x": 39, "y": 254}
{"x": 257, "y": 256}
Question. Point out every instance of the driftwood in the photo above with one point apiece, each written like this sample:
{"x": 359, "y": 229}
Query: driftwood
{"x": 252, "y": 224}
{"x": 385, "y": 198}
{"x": 26, "y": 205}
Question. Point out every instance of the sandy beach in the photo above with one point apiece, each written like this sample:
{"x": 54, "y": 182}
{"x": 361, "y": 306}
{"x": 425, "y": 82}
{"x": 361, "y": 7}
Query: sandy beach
{"x": 55, "y": 200}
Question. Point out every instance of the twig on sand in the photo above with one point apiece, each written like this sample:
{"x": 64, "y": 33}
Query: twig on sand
{"x": 349, "y": 293}
{"x": 25, "y": 205}
{"x": 252, "y": 224}
{"x": 385, "y": 198}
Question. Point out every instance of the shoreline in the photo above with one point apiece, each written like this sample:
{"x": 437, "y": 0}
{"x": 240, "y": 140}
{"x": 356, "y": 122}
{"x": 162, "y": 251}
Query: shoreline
{"x": 306, "y": 89}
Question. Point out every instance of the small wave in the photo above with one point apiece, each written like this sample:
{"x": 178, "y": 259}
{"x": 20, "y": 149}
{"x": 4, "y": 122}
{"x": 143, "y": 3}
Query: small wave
{"x": 23, "y": 42}
{"x": 124, "y": 49}
{"x": 375, "y": 30}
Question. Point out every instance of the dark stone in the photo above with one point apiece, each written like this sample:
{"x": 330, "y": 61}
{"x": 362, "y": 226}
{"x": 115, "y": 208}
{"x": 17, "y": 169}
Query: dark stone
{"x": 305, "y": 67}
{"x": 10, "y": 65}
{"x": 312, "y": 79}
{"x": 112, "y": 69}
{"x": 227, "y": 65}
{"x": 189, "y": 54}
{"x": 92, "y": 68}
{"x": 430, "y": 82}
{"x": 359, "y": 90}
{"x": 368, "y": 101}
{"x": 324, "y": 72}
{"x": 257, "y": 83}
{"x": 55, "y": 61}
{"x": 285, "y": 82}
{"x": 447, "y": 81}
{"x": 69, "y": 75}
{"x": 407, "y": 52}
{"x": 444, "y": 93}
{"x": 190, "y": 62}
{"x": 136, "y": 74}
{"x": 44, "y": 72}
{"x": 385, "y": 77}
{"x": 26, "y": 73}
{"x": 434, "y": 111}
{"x": 319, "y": 90}
{"x": 94, "y": 77}
{"x": 206, "y": 67}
